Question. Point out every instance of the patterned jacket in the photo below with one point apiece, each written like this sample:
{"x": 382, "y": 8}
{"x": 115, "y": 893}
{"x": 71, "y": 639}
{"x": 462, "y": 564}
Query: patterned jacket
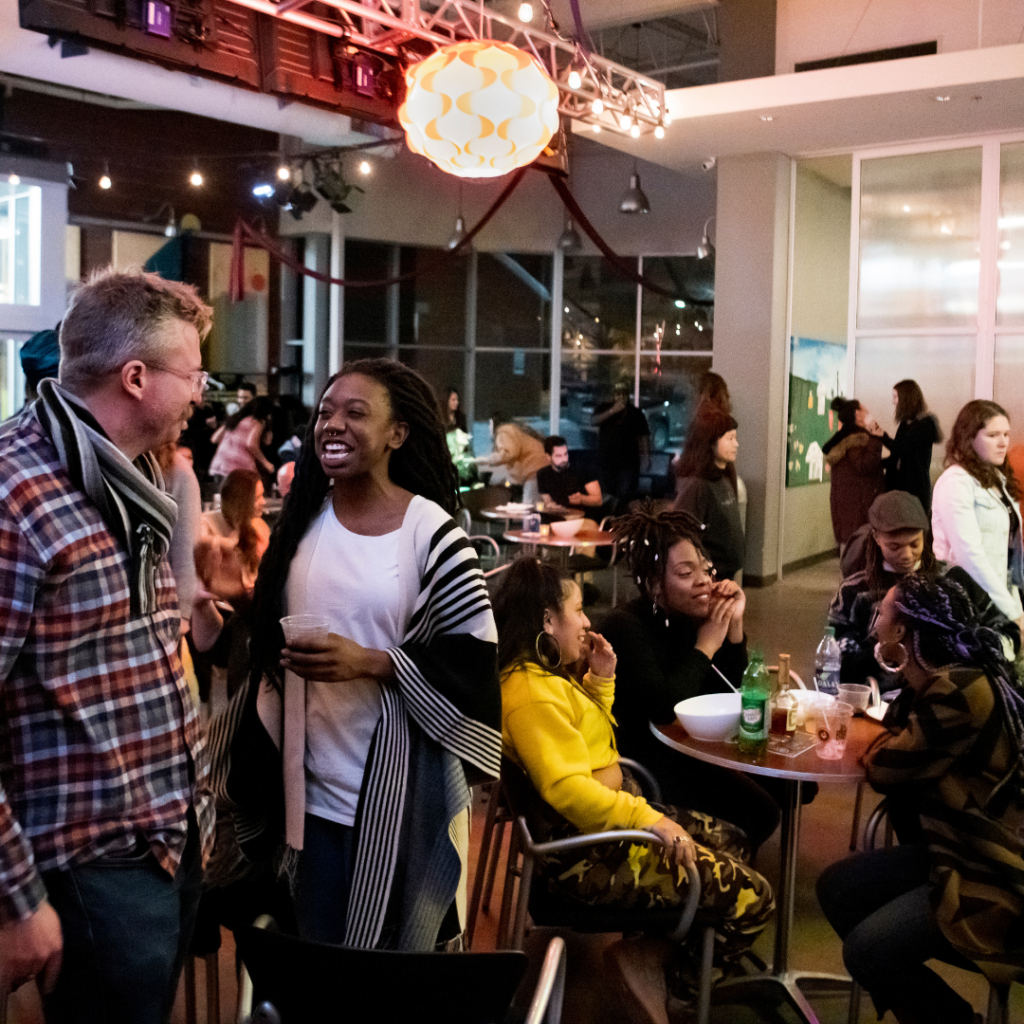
{"x": 949, "y": 741}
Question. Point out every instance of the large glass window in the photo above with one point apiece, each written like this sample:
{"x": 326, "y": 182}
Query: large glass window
{"x": 920, "y": 233}
{"x": 20, "y": 243}
{"x": 1010, "y": 294}
{"x": 1007, "y": 390}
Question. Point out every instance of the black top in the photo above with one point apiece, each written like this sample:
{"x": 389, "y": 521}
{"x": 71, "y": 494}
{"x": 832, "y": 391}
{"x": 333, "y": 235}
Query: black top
{"x": 658, "y": 666}
{"x": 909, "y": 464}
{"x": 561, "y": 483}
{"x": 714, "y": 503}
{"x": 619, "y": 438}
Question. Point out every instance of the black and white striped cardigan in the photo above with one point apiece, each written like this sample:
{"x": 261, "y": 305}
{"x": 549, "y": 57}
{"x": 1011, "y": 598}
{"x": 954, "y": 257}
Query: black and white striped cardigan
{"x": 442, "y": 713}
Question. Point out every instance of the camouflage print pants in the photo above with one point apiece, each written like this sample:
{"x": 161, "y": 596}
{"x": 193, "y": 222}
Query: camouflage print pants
{"x": 635, "y": 877}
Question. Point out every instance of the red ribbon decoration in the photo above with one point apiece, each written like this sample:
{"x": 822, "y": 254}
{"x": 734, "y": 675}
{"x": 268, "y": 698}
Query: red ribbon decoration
{"x": 245, "y": 233}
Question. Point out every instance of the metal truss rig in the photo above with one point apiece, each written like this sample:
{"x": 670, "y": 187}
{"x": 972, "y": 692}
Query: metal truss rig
{"x": 592, "y": 90}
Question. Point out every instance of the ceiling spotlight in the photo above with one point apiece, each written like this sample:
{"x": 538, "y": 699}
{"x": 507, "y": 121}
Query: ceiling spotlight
{"x": 706, "y": 249}
{"x": 263, "y": 191}
{"x": 667, "y": 119}
{"x": 575, "y": 80}
{"x": 195, "y": 179}
{"x": 458, "y": 234}
{"x": 597, "y": 106}
{"x": 634, "y": 130}
{"x": 364, "y": 167}
{"x": 633, "y": 199}
{"x": 301, "y": 201}
{"x": 172, "y": 225}
{"x": 330, "y": 183}
{"x": 13, "y": 179}
{"x": 526, "y": 12}
{"x": 680, "y": 304}
{"x": 659, "y": 132}
{"x": 570, "y": 241}
{"x": 597, "y": 129}
{"x": 105, "y": 181}
{"x": 284, "y": 173}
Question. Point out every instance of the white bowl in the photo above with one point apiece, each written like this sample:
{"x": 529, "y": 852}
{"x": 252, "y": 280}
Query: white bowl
{"x": 567, "y": 528}
{"x": 712, "y": 717}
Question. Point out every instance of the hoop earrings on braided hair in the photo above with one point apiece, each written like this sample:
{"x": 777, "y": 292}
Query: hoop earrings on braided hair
{"x": 550, "y": 662}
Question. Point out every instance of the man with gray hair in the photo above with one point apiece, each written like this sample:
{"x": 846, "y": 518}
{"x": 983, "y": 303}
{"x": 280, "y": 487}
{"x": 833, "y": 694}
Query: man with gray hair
{"x": 105, "y": 816}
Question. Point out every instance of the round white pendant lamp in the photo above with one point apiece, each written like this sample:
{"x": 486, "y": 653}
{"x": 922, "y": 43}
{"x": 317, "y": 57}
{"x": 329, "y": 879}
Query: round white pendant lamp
{"x": 479, "y": 109}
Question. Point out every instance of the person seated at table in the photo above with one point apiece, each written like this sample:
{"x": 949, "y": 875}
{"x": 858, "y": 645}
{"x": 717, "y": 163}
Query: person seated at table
{"x": 673, "y": 641}
{"x": 557, "y": 688}
{"x": 239, "y": 525}
{"x": 563, "y": 485}
{"x": 898, "y": 542}
{"x": 955, "y": 742}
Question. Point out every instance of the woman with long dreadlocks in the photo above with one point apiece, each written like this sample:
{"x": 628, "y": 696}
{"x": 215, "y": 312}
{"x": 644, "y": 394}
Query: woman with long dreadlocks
{"x": 382, "y": 722}
{"x": 956, "y": 736}
{"x": 673, "y": 641}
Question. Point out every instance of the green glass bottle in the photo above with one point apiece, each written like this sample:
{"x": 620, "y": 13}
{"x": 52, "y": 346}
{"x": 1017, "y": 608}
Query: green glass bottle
{"x": 755, "y": 694}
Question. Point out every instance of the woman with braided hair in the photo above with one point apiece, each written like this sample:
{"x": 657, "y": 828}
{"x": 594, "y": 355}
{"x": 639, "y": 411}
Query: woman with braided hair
{"x": 672, "y": 642}
{"x": 379, "y": 725}
{"x": 956, "y": 742}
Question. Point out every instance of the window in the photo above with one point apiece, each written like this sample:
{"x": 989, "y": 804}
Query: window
{"x": 20, "y": 243}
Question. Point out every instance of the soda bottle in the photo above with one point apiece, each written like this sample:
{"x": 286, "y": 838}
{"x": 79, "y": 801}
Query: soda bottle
{"x": 754, "y": 695}
{"x": 826, "y": 663}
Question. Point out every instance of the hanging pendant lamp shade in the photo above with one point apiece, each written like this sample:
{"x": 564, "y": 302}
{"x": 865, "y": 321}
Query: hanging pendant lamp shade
{"x": 634, "y": 200}
{"x": 479, "y": 109}
{"x": 570, "y": 240}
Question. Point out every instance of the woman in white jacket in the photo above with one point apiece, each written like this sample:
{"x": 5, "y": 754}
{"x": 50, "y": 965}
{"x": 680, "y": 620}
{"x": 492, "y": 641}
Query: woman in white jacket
{"x": 976, "y": 518}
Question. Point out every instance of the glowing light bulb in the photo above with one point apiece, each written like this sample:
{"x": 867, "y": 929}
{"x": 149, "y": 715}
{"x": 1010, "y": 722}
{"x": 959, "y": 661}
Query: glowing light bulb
{"x": 195, "y": 179}
{"x": 284, "y": 172}
{"x": 13, "y": 179}
{"x": 597, "y": 106}
{"x": 659, "y": 132}
{"x": 105, "y": 181}
{"x": 635, "y": 130}
{"x": 575, "y": 81}
{"x": 526, "y": 12}
{"x": 364, "y": 167}
{"x": 597, "y": 129}
{"x": 667, "y": 119}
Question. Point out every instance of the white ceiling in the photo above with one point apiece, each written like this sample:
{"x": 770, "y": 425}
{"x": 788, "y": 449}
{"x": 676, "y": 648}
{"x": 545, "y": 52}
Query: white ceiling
{"x": 841, "y": 109}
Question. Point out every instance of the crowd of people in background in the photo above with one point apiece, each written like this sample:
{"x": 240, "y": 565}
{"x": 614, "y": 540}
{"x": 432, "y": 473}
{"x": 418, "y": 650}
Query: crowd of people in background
{"x": 346, "y": 757}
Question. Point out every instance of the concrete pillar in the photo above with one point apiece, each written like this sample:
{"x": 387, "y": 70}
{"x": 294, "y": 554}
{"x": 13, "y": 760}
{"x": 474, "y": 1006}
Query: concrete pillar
{"x": 750, "y": 336}
{"x": 469, "y": 366}
{"x": 391, "y": 309}
{"x": 336, "y": 329}
{"x": 557, "y": 297}
{"x": 316, "y": 318}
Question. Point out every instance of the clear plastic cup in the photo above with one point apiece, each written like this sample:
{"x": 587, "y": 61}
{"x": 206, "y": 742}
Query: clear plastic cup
{"x": 305, "y": 630}
{"x": 857, "y": 695}
{"x": 807, "y": 704}
{"x": 833, "y": 721}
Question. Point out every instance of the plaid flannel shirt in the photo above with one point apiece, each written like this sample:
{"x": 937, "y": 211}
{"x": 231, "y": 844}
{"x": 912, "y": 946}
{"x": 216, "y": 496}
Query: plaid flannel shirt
{"x": 100, "y": 740}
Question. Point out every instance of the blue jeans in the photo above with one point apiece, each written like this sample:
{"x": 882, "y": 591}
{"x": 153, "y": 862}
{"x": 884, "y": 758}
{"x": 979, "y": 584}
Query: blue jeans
{"x": 323, "y": 879}
{"x": 127, "y": 925}
{"x": 879, "y": 903}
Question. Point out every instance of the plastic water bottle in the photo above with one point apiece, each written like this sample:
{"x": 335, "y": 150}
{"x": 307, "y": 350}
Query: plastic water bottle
{"x": 755, "y": 693}
{"x": 826, "y": 663}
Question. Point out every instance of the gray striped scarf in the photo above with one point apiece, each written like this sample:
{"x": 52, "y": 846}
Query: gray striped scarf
{"x": 129, "y": 496}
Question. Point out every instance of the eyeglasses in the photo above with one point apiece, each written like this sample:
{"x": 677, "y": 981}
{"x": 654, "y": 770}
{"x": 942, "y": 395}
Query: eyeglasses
{"x": 197, "y": 378}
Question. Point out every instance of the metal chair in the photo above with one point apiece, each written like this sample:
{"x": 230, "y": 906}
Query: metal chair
{"x": 580, "y": 563}
{"x": 294, "y": 981}
{"x": 548, "y": 910}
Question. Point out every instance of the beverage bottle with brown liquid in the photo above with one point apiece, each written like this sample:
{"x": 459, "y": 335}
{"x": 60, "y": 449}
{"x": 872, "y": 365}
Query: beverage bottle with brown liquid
{"x": 783, "y": 722}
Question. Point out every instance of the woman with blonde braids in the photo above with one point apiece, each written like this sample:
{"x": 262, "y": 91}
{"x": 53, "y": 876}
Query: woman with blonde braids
{"x": 558, "y": 730}
{"x": 956, "y": 747}
{"x": 673, "y": 642}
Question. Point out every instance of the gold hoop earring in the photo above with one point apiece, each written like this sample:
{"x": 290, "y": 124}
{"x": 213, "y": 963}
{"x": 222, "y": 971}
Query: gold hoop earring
{"x": 885, "y": 652}
{"x": 549, "y": 663}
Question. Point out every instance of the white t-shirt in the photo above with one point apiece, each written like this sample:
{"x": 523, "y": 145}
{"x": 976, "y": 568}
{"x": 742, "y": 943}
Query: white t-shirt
{"x": 353, "y": 580}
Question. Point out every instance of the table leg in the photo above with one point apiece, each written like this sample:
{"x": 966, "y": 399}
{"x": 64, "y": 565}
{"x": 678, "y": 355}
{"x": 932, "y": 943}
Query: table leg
{"x": 789, "y": 839}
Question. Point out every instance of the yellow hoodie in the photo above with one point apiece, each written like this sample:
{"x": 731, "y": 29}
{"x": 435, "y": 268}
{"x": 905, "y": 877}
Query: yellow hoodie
{"x": 559, "y": 733}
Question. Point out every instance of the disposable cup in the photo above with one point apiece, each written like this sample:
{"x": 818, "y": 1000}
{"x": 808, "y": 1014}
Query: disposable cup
{"x": 857, "y": 695}
{"x": 306, "y": 630}
{"x": 807, "y": 703}
{"x": 833, "y": 722}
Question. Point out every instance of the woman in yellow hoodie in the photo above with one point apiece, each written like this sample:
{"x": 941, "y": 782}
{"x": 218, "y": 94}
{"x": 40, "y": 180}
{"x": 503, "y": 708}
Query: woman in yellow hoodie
{"x": 557, "y": 727}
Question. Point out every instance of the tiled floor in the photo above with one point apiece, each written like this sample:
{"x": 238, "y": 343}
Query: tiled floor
{"x": 788, "y": 617}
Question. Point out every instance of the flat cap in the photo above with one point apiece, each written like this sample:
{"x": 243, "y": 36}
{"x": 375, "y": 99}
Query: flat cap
{"x": 897, "y": 510}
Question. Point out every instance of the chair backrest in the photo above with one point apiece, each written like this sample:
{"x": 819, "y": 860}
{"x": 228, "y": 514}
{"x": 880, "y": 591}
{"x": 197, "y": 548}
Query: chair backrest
{"x": 313, "y": 982}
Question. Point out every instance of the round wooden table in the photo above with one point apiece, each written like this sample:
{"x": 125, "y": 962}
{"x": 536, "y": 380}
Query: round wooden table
{"x": 794, "y": 771}
{"x": 583, "y": 538}
{"x": 496, "y": 512}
